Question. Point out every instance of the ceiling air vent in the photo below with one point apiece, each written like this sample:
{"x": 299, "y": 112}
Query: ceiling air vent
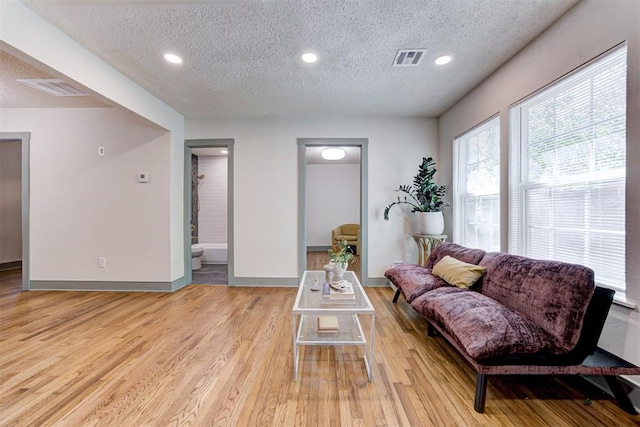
{"x": 409, "y": 57}
{"x": 53, "y": 87}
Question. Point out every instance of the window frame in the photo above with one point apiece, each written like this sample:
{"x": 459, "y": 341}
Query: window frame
{"x": 461, "y": 195}
{"x": 517, "y": 223}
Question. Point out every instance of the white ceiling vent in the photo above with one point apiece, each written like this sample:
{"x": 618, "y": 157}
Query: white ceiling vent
{"x": 53, "y": 87}
{"x": 409, "y": 57}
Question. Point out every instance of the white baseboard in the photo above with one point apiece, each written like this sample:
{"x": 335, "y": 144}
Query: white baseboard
{"x": 55, "y": 285}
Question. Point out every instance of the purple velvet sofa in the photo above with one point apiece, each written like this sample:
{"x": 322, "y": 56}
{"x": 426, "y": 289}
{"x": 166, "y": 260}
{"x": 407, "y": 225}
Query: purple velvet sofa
{"x": 524, "y": 316}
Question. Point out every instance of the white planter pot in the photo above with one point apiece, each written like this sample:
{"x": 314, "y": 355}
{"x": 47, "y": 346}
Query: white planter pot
{"x": 339, "y": 269}
{"x": 430, "y": 222}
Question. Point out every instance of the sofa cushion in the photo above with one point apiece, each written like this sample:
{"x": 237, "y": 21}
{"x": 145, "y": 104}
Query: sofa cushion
{"x": 482, "y": 326}
{"x": 413, "y": 280}
{"x": 458, "y": 273}
{"x": 469, "y": 255}
{"x": 553, "y": 295}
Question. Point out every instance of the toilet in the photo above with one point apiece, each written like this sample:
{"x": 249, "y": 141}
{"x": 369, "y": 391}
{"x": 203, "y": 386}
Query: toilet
{"x": 196, "y": 252}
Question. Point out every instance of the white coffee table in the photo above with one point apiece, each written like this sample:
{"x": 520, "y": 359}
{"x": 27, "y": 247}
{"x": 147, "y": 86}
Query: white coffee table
{"x": 308, "y": 306}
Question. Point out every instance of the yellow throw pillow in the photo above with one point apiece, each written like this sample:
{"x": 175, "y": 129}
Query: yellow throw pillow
{"x": 458, "y": 273}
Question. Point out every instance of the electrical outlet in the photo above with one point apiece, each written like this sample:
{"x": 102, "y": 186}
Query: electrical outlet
{"x": 102, "y": 262}
{"x": 100, "y": 151}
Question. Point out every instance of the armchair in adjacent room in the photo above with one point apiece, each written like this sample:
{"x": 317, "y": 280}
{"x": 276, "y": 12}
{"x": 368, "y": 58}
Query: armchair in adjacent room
{"x": 351, "y": 232}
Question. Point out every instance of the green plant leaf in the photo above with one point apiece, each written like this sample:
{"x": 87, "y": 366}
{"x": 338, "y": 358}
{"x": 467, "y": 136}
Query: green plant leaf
{"x": 424, "y": 195}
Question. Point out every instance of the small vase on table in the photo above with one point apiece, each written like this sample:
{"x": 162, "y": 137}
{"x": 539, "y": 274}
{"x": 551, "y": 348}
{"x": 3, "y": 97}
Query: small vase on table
{"x": 339, "y": 269}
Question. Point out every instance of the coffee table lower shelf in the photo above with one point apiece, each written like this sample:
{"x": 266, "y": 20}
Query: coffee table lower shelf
{"x": 349, "y": 332}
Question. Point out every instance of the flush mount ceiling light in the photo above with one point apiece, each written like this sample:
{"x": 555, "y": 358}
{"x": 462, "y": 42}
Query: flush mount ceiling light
{"x": 333, "y": 153}
{"x": 443, "y": 60}
{"x": 309, "y": 57}
{"x": 173, "y": 58}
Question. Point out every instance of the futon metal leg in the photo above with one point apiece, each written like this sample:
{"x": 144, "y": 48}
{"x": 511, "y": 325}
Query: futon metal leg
{"x": 431, "y": 331}
{"x": 395, "y": 297}
{"x": 621, "y": 396}
{"x": 481, "y": 393}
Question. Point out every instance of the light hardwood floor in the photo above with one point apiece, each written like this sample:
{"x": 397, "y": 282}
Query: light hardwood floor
{"x": 317, "y": 259}
{"x": 219, "y": 356}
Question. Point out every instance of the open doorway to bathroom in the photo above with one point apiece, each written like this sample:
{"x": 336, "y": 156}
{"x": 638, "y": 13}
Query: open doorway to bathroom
{"x": 209, "y": 164}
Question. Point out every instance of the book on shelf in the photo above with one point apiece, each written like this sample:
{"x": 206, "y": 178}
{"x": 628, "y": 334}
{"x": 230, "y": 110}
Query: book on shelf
{"x": 343, "y": 292}
{"x": 327, "y": 324}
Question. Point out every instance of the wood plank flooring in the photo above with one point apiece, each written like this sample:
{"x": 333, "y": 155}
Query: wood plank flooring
{"x": 317, "y": 259}
{"x": 220, "y": 356}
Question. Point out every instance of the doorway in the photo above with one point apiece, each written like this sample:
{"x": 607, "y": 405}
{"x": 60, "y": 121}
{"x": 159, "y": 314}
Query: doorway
{"x": 209, "y": 212}
{"x": 314, "y": 242}
{"x": 14, "y": 228}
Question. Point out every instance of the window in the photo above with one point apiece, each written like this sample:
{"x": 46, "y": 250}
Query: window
{"x": 477, "y": 189}
{"x": 568, "y": 157}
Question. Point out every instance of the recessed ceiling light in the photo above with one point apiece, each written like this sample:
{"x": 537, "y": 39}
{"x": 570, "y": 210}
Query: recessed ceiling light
{"x": 309, "y": 57}
{"x": 173, "y": 58}
{"x": 443, "y": 60}
{"x": 333, "y": 153}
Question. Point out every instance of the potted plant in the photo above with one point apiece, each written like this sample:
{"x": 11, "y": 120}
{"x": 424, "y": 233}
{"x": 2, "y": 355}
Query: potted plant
{"x": 340, "y": 255}
{"x": 425, "y": 197}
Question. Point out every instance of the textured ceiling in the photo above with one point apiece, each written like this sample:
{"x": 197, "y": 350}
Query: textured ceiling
{"x": 16, "y": 95}
{"x": 241, "y": 56}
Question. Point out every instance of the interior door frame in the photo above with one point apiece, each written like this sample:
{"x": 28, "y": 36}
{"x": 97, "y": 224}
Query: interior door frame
{"x": 24, "y": 138}
{"x": 206, "y": 143}
{"x": 363, "y": 144}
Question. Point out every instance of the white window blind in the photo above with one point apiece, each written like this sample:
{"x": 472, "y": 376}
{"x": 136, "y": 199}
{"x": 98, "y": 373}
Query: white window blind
{"x": 568, "y": 159}
{"x": 477, "y": 187}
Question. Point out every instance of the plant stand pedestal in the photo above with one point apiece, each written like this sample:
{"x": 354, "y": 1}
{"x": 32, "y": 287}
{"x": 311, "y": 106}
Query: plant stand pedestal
{"x": 426, "y": 243}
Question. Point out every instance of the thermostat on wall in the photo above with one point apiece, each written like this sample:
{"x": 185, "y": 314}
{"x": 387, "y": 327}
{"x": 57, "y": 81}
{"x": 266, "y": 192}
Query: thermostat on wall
{"x": 143, "y": 177}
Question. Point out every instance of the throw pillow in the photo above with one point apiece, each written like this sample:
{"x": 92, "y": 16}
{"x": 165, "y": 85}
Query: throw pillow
{"x": 458, "y": 273}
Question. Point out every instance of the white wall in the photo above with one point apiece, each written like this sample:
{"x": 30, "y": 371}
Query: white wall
{"x": 587, "y": 30}
{"x": 84, "y": 206}
{"x": 333, "y": 198}
{"x": 266, "y": 175}
{"x": 22, "y": 33}
{"x": 212, "y": 190}
{"x": 10, "y": 201}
